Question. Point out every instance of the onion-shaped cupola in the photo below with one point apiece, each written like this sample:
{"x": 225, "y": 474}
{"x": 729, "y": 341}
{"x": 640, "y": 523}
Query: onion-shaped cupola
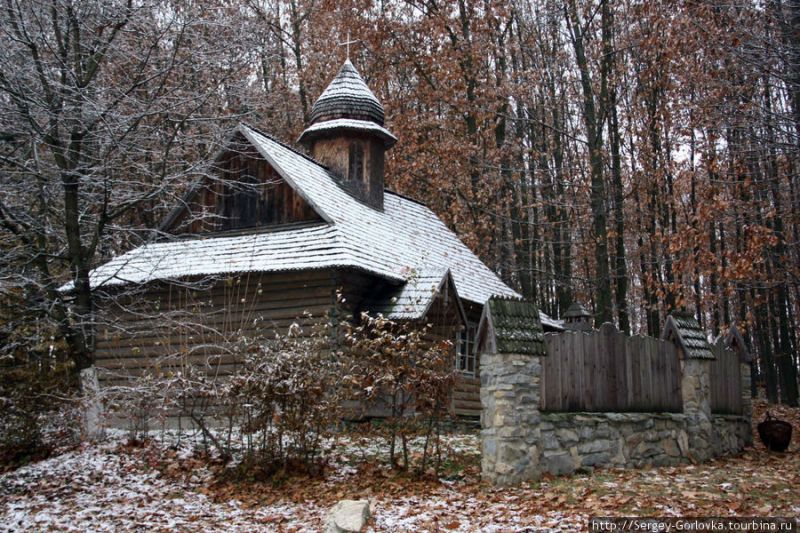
{"x": 346, "y": 134}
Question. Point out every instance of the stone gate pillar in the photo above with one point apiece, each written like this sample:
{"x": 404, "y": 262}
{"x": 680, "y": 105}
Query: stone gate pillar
{"x": 696, "y": 355}
{"x": 511, "y": 343}
{"x": 696, "y": 394}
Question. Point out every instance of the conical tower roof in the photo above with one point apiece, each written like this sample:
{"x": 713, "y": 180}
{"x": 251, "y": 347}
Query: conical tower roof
{"x": 347, "y": 97}
{"x": 347, "y": 106}
{"x": 577, "y": 310}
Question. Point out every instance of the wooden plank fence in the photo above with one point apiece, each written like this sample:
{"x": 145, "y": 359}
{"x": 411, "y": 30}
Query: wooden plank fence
{"x": 726, "y": 381}
{"x": 608, "y": 371}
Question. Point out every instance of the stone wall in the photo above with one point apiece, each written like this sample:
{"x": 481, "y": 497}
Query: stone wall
{"x": 731, "y": 434}
{"x": 520, "y": 443}
{"x": 574, "y": 441}
{"x": 571, "y": 441}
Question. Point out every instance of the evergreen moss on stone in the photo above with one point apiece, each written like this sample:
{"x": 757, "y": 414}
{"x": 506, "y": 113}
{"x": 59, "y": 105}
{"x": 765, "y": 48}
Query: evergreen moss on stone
{"x": 517, "y": 327}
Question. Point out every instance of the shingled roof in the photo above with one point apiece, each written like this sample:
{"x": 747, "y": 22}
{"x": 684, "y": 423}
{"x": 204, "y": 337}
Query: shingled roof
{"x": 347, "y": 124}
{"x": 347, "y": 104}
{"x": 577, "y": 310}
{"x": 413, "y": 299}
{"x": 684, "y": 329}
{"x": 406, "y": 237}
{"x": 347, "y": 96}
{"x": 511, "y": 325}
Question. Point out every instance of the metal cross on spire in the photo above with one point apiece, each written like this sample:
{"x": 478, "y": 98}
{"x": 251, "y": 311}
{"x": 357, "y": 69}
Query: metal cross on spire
{"x": 347, "y": 43}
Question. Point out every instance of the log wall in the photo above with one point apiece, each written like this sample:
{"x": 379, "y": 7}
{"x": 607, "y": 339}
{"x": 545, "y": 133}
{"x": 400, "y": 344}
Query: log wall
{"x": 169, "y": 326}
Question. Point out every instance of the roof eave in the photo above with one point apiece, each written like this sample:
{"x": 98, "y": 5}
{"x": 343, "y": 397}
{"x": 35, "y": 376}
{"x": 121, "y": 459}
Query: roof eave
{"x": 311, "y": 134}
{"x": 447, "y": 278}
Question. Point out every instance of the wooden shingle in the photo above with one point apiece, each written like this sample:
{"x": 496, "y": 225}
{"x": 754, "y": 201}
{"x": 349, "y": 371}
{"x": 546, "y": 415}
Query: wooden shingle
{"x": 683, "y": 329}
{"x": 510, "y": 325}
{"x": 347, "y": 97}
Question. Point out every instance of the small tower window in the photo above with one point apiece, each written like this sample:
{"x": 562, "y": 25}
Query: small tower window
{"x": 355, "y": 171}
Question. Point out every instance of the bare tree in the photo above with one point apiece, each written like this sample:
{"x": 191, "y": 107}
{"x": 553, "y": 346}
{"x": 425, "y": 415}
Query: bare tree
{"x": 106, "y": 109}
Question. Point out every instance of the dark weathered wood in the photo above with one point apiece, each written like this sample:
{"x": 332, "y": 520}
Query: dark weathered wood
{"x": 467, "y": 396}
{"x": 607, "y": 371}
{"x": 248, "y": 193}
{"x": 726, "y": 381}
{"x": 166, "y": 326}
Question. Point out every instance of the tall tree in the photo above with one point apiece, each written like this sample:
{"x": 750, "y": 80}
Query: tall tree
{"x": 593, "y": 112}
{"x": 97, "y": 106}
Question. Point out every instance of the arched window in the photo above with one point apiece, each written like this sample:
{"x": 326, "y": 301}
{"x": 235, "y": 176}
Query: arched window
{"x": 355, "y": 171}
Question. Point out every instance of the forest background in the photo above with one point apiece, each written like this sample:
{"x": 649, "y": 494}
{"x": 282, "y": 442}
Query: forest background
{"x": 638, "y": 156}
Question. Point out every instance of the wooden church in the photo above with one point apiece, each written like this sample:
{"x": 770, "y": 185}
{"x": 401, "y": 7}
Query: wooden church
{"x": 275, "y": 234}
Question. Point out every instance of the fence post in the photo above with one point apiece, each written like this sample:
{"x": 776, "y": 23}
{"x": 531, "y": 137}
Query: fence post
{"x": 747, "y": 400}
{"x": 695, "y": 393}
{"x": 696, "y": 355}
{"x": 92, "y": 406}
{"x": 511, "y": 343}
{"x": 734, "y": 341}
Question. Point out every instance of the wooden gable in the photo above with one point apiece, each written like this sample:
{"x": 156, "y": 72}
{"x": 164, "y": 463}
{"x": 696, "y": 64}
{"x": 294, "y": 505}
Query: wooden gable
{"x": 245, "y": 192}
{"x": 445, "y": 310}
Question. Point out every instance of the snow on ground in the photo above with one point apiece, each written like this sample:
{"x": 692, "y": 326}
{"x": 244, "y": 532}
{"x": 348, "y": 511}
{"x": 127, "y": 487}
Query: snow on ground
{"x": 105, "y": 487}
{"x": 165, "y": 486}
{"x": 110, "y": 486}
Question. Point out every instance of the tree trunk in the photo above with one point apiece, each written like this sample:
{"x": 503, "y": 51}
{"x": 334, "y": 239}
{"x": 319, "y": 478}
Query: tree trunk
{"x": 620, "y": 261}
{"x": 594, "y": 124}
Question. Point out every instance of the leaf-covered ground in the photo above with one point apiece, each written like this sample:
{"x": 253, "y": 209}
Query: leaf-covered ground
{"x": 111, "y": 486}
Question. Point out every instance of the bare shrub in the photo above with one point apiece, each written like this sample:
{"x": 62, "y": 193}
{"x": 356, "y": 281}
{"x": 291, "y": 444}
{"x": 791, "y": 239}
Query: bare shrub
{"x": 405, "y": 374}
{"x": 38, "y": 411}
{"x": 290, "y": 390}
{"x": 275, "y": 410}
{"x": 286, "y": 399}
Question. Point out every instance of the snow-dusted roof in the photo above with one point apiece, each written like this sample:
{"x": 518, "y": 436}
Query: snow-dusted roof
{"x": 303, "y": 248}
{"x": 347, "y": 96}
{"x": 347, "y": 124}
{"x": 405, "y": 237}
{"x": 402, "y": 241}
{"x": 413, "y": 299}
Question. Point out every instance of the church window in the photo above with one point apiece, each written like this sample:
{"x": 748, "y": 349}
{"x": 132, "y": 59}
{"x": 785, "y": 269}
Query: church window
{"x": 465, "y": 350}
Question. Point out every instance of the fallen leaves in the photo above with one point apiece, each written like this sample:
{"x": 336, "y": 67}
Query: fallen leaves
{"x": 122, "y": 487}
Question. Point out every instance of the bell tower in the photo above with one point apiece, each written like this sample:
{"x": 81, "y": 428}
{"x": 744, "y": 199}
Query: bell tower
{"x": 346, "y": 134}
